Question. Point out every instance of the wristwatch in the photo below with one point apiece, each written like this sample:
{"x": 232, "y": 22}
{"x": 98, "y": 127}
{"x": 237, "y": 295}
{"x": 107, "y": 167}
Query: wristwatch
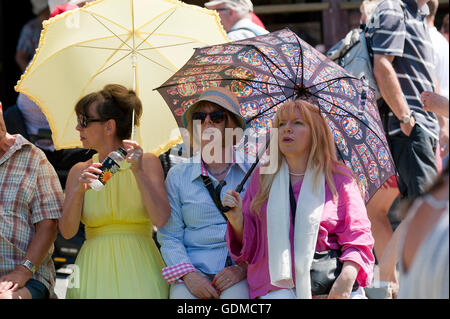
{"x": 28, "y": 265}
{"x": 406, "y": 118}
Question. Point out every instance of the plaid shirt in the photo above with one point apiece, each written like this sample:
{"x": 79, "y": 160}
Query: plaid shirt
{"x": 30, "y": 192}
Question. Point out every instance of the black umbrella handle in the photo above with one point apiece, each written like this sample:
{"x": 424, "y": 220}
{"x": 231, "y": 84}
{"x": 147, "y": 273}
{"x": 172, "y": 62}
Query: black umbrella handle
{"x": 239, "y": 188}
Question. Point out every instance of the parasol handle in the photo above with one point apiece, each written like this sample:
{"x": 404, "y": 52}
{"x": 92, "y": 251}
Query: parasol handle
{"x": 239, "y": 188}
{"x": 133, "y": 65}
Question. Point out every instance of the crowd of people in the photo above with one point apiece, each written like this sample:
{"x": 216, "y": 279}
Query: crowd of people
{"x": 309, "y": 211}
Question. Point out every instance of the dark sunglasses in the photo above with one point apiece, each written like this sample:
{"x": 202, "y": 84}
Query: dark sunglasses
{"x": 216, "y": 116}
{"x": 83, "y": 121}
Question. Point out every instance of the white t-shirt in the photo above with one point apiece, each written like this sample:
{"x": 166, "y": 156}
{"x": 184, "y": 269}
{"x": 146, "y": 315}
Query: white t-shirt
{"x": 428, "y": 274}
{"x": 244, "y": 29}
{"x": 441, "y": 60}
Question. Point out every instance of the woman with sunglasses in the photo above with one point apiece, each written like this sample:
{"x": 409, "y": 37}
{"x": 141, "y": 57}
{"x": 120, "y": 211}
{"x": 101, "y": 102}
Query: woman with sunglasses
{"x": 310, "y": 204}
{"x": 193, "y": 241}
{"x": 119, "y": 258}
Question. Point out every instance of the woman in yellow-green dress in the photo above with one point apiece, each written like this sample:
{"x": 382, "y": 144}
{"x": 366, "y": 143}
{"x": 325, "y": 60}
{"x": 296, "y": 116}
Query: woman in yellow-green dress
{"x": 119, "y": 258}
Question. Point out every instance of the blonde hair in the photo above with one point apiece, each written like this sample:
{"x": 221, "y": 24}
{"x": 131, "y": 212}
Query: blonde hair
{"x": 322, "y": 154}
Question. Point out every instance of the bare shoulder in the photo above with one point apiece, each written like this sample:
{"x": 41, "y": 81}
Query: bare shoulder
{"x": 151, "y": 158}
{"x": 151, "y": 162}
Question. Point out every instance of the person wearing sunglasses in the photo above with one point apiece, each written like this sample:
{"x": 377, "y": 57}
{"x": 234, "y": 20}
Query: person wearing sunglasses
{"x": 310, "y": 207}
{"x": 119, "y": 258}
{"x": 193, "y": 241}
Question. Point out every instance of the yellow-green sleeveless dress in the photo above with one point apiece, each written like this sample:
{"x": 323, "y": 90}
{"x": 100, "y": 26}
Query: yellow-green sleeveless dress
{"x": 119, "y": 258}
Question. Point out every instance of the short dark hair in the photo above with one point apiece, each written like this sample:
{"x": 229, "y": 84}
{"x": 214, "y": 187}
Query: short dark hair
{"x": 114, "y": 102}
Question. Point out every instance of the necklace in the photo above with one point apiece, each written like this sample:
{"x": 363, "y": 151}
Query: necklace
{"x": 297, "y": 174}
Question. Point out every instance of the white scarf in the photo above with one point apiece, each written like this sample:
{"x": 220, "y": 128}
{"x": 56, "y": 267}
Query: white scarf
{"x": 306, "y": 228}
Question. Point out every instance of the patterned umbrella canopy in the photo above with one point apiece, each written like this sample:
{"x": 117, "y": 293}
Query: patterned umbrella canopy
{"x": 268, "y": 70}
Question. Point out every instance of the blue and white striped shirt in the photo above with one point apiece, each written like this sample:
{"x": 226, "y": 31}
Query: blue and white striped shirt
{"x": 404, "y": 34}
{"x": 195, "y": 232}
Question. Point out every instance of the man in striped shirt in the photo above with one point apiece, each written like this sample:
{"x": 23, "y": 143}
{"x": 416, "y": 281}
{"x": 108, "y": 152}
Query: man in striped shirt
{"x": 403, "y": 68}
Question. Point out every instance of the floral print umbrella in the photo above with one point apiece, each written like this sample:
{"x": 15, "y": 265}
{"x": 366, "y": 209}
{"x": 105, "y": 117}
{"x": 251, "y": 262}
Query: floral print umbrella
{"x": 266, "y": 71}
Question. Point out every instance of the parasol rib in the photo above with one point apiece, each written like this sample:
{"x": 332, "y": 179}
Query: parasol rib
{"x": 167, "y": 46}
{"x": 93, "y": 15}
{"x": 155, "y": 62}
{"x": 101, "y": 48}
{"x": 109, "y": 66}
{"x": 159, "y": 25}
{"x": 350, "y": 115}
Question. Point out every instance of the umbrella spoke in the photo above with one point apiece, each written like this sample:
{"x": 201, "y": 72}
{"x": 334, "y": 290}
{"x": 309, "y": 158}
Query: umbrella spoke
{"x": 151, "y": 60}
{"x": 332, "y": 81}
{"x": 349, "y": 115}
{"x": 94, "y": 16}
{"x": 274, "y": 64}
{"x": 167, "y": 46}
{"x": 270, "y": 108}
{"x": 101, "y": 48}
{"x": 157, "y": 27}
{"x": 109, "y": 66}
{"x": 268, "y": 95}
{"x": 300, "y": 57}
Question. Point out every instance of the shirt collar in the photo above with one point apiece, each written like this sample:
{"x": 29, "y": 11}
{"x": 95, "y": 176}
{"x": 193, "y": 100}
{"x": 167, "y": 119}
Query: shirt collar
{"x": 19, "y": 142}
{"x": 197, "y": 166}
{"x": 240, "y": 24}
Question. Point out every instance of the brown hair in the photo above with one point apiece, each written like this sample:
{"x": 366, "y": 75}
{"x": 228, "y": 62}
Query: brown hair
{"x": 322, "y": 155}
{"x": 114, "y": 102}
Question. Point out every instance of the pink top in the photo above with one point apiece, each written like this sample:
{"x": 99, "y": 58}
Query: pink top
{"x": 344, "y": 225}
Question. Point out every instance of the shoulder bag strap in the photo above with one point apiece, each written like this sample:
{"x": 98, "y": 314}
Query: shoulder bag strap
{"x": 215, "y": 193}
